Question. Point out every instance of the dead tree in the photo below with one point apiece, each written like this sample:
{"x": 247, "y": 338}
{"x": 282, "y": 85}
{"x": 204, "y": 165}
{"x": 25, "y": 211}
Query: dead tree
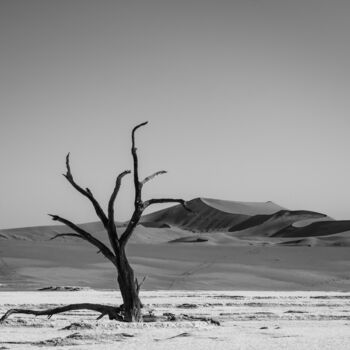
{"x": 130, "y": 310}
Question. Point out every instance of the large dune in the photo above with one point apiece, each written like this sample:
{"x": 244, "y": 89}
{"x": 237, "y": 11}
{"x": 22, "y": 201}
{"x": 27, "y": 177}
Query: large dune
{"x": 218, "y": 245}
{"x": 204, "y": 216}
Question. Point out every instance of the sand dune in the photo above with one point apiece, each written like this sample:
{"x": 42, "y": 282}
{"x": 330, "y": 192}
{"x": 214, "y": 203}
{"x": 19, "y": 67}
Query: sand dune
{"x": 219, "y": 245}
{"x": 203, "y": 218}
{"x": 243, "y": 219}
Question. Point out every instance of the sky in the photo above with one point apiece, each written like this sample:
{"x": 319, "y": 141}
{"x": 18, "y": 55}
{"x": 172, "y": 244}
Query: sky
{"x": 246, "y": 100}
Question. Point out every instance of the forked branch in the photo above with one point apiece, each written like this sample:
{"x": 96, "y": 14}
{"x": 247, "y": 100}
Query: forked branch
{"x": 139, "y": 205}
{"x": 136, "y": 216}
{"x": 114, "y": 313}
{"x": 85, "y": 192}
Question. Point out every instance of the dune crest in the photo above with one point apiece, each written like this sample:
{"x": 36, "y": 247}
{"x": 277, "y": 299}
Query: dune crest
{"x": 243, "y": 208}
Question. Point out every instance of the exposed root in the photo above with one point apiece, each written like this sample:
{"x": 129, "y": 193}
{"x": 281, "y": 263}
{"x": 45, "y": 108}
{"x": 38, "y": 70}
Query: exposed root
{"x": 114, "y": 313}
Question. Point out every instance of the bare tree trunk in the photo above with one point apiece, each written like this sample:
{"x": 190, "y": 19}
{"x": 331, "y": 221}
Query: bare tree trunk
{"x": 129, "y": 289}
{"x": 129, "y": 286}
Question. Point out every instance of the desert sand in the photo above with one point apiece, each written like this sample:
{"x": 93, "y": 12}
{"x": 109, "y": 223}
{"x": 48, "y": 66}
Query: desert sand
{"x": 221, "y": 245}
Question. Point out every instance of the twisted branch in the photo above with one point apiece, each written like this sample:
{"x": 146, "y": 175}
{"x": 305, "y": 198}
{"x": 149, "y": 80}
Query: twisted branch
{"x": 114, "y": 313}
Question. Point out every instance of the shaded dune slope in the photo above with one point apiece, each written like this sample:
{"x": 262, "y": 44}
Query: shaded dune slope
{"x": 202, "y": 218}
{"x": 268, "y": 225}
{"x": 320, "y": 228}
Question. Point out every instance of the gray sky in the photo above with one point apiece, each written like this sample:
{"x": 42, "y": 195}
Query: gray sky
{"x": 247, "y": 100}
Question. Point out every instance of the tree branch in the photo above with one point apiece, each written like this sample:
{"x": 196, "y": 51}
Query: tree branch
{"x": 135, "y": 161}
{"x": 114, "y": 313}
{"x": 112, "y": 231}
{"x": 166, "y": 200}
{"x": 138, "y": 205}
{"x": 87, "y": 193}
{"x": 151, "y": 177}
{"x": 88, "y": 237}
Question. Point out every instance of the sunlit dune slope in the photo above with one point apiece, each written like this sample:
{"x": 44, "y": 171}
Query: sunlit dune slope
{"x": 243, "y": 208}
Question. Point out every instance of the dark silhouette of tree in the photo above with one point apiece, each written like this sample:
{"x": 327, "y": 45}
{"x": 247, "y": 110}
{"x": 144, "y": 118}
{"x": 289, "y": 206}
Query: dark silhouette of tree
{"x": 130, "y": 310}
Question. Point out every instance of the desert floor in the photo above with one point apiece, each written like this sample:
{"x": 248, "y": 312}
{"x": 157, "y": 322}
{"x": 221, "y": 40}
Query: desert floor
{"x": 184, "y": 266}
{"x": 220, "y": 245}
{"x": 248, "y": 320}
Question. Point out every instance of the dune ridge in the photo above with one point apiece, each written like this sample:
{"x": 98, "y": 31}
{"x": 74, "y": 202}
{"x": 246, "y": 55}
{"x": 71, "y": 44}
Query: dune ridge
{"x": 244, "y": 208}
{"x": 239, "y": 219}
